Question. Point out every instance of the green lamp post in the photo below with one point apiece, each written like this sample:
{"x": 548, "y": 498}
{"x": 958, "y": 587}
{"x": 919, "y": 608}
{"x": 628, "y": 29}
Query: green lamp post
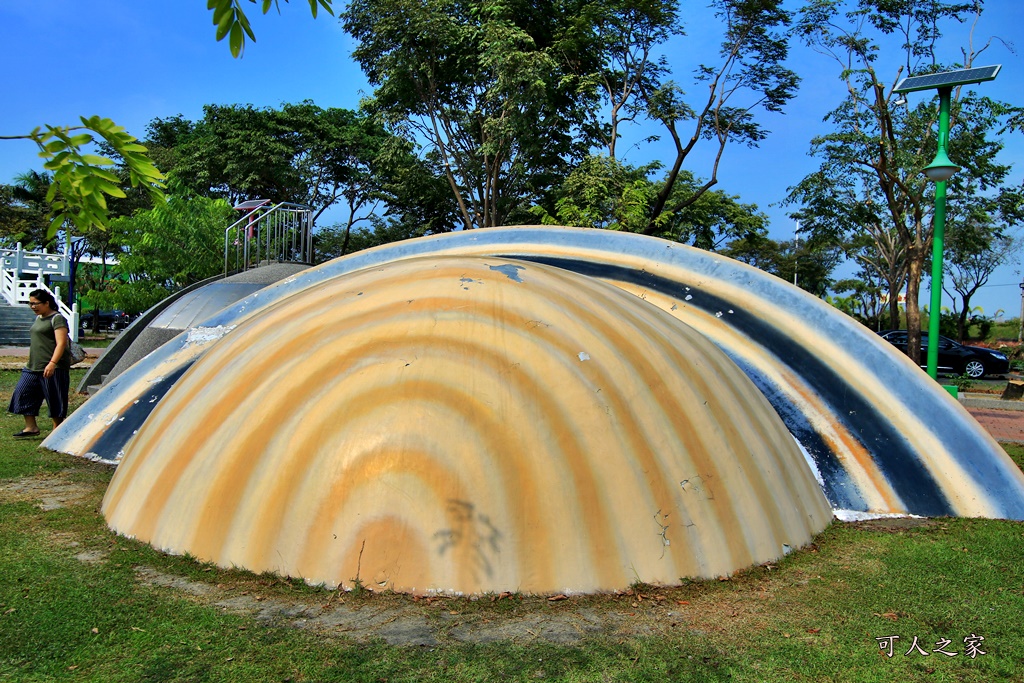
{"x": 939, "y": 171}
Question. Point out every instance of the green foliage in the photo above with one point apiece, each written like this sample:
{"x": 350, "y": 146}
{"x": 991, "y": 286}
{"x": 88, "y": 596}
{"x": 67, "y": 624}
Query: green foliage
{"x": 299, "y": 153}
{"x": 947, "y": 323}
{"x": 23, "y": 210}
{"x": 487, "y": 86}
{"x": 238, "y": 153}
{"x": 955, "y": 325}
{"x": 334, "y": 152}
{"x": 233, "y": 24}
{"x": 750, "y": 75}
{"x": 417, "y": 194}
{"x": 81, "y": 182}
{"x": 811, "y": 267}
{"x": 982, "y": 322}
{"x": 340, "y": 240}
{"x": 604, "y": 193}
{"x": 869, "y": 182}
{"x": 706, "y": 218}
{"x": 508, "y": 97}
{"x": 860, "y": 299}
{"x": 171, "y": 246}
{"x": 963, "y": 383}
{"x": 976, "y": 243}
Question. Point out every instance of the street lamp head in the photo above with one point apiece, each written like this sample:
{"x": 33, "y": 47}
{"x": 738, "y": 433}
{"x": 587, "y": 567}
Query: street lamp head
{"x": 941, "y": 168}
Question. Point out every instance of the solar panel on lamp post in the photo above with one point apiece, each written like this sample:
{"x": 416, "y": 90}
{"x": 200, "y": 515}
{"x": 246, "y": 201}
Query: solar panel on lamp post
{"x": 939, "y": 171}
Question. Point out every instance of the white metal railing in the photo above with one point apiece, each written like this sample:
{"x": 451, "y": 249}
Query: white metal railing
{"x": 281, "y": 233}
{"x": 24, "y": 271}
{"x": 70, "y": 314}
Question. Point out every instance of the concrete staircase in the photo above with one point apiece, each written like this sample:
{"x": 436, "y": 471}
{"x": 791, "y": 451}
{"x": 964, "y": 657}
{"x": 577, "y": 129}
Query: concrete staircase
{"x": 93, "y": 388}
{"x": 22, "y": 272}
{"x": 15, "y": 322}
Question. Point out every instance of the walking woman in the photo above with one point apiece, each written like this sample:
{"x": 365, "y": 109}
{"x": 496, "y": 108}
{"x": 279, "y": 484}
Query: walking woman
{"x": 48, "y": 373}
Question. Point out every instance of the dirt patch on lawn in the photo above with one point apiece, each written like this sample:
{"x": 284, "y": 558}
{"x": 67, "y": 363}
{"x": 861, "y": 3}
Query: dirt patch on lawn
{"x": 428, "y": 622}
{"x": 397, "y": 619}
{"x": 48, "y": 493}
{"x": 745, "y": 603}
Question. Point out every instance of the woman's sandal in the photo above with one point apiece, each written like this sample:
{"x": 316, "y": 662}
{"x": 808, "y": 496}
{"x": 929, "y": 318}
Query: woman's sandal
{"x": 23, "y": 434}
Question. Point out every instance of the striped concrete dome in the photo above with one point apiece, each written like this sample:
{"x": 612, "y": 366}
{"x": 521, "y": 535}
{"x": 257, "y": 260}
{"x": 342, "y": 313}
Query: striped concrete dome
{"x": 464, "y": 425}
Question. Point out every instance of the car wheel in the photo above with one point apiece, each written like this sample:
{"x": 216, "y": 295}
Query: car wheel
{"x": 974, "y": 369}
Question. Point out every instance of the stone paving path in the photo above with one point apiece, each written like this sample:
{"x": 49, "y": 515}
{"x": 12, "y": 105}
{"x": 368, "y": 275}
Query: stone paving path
{"x": 1003, "y": 425}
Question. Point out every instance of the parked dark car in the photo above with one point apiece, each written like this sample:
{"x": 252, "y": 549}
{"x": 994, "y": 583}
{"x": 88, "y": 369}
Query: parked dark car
{"x": 109, "y": 320}
{"x": 954, "y": 358}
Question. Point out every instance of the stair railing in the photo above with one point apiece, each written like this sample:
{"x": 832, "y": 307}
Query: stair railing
{"x": 70, "y": 314}
{"x": 282, "y": 233}
{"x": 24, "y": 271}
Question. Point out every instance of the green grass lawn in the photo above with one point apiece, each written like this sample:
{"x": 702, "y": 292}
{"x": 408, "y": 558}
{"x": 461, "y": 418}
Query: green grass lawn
{"x": 75, "y": 606}
{"x": 95, "y": 342}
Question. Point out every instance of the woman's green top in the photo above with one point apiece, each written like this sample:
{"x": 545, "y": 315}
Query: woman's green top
{"x": 44, "y": 341}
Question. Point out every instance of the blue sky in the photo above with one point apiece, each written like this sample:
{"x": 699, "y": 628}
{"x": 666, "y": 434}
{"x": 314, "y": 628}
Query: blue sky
{"x": 135, "y": 60}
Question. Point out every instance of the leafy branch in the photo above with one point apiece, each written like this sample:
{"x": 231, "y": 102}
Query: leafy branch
{"x": 82, "y": 181}
{"x": 231, "y": 22}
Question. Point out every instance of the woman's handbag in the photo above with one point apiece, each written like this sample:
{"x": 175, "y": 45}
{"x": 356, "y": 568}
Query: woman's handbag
{"x": 76, "y": 351}
{"x": 74, "y": 348}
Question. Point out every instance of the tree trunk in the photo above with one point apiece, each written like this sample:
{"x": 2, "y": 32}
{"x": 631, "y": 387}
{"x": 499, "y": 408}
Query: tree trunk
{"x": 894, "y": 309}
{"x": 914, "y": 267}
{"x": 961, "y": 324}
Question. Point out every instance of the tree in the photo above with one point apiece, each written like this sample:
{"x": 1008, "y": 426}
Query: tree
{"x": 23, "y": 209}
{"x": 96, "y": 282}
{"x": 883, "y": 262}
{"x": 486, "y": 85}
{"x": 636, "y": 85}
{"x": 628, "y": 33}
{"x": 300, "y": 153}
{"x": 164, "y": 138}
{"x": 873, "y": 157}
{"x": 338, "y": 155}
{"x": 81, "y": 182}
{"x": 418, "y": 197}
{"x": 837, "y": 214}
{"x": 177, "y": 243}
{"x": 864, "y": 299}
{"x": 973, "y": 252}
{"x": 415, "y": 198}
{"x": 603, "y": 193}
{"x": 749, "y": 76}
{"x": 809, "y": 268}
{"x": 509, "y": 94}
{"x": 238, "y": 153}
